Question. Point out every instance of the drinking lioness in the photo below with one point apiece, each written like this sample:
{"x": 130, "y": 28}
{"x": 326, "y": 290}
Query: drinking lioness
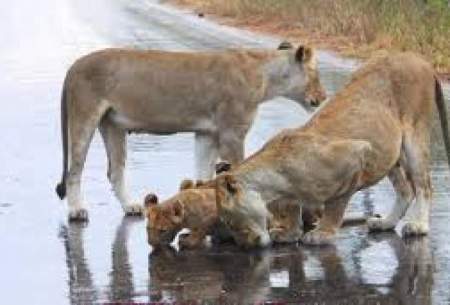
{"x": 378, "y": 125}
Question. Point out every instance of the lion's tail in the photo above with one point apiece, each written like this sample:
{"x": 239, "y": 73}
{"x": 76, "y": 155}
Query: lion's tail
{"x": 61, "y": 187}
{"x": 442, "y": 110}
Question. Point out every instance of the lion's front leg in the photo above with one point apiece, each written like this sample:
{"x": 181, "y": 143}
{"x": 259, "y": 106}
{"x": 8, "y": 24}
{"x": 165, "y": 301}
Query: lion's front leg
{"x": 328, "y": 225}
{"x": 206, "y": 154}
{"x": 404, "y": 197}
{"x": 231, "y": 146}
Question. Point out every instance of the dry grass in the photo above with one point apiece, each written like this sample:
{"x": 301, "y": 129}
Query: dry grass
{"x": 353, "y": 27}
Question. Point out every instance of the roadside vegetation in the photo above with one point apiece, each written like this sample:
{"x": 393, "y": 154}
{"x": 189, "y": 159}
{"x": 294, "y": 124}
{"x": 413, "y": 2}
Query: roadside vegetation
{"x": 353, "y": 27}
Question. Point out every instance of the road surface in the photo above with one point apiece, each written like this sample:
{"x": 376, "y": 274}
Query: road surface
{"x": 44, "y": 260}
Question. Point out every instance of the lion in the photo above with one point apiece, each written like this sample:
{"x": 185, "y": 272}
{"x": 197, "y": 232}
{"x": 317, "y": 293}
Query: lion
{"x": 378, "y": 125}
{"x": 213, "y": 94}
{"x": 194, "y": 208}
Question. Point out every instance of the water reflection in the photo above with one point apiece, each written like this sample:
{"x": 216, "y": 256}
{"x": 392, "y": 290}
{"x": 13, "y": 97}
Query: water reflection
{"x": 81, "y": 286}
{"x": 284, "y": 274}
{"x": 413, "y": 280}
{"x": 121, "y": 279}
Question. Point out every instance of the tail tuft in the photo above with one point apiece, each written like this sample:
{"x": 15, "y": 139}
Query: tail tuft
{"x": 61, "y": 190}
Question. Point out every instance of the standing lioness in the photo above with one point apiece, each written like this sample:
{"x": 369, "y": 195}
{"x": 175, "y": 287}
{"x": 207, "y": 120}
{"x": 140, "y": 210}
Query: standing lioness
{"x": 378, "y": 125}
{"x": 214, "y": 94}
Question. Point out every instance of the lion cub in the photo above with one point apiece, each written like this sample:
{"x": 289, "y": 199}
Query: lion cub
{"x": 193, "y": 207}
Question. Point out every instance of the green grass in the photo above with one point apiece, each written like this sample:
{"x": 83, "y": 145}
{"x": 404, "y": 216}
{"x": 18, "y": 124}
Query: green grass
{"x": 416, "y": 25}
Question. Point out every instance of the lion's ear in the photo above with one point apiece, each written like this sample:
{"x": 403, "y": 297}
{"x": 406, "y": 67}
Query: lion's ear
{"x": 304, "y": 54}
{"x": 177, "y": 212}
{"x": 186, "y": 184}
{"x": 222, "y": 166}
{"x": 150, "y": 199}
{"x": 230, "y": 184}
{"x": 285, "y": 45}
{"x": 226, "y": 188}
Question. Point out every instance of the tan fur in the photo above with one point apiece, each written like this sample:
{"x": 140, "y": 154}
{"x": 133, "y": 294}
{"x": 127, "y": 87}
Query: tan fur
{"x": 201, "y": 217}
{"x": 377, "y": 126}
{"x": 214, "y": 94}
{"x": 285, "y": 224}
{"x": 198, "y": 212}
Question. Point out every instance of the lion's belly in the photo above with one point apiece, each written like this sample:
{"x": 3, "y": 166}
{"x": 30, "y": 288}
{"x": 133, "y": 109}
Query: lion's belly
{"x": 385, "y": 154}
{"x": 161, "y": 124}
{"x": 376, "y": 125}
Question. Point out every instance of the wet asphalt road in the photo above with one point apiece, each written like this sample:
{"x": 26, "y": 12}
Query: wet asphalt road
{"x": 44, "y": 260}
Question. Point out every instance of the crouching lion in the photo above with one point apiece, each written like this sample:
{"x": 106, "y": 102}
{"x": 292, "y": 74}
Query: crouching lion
{"x": 378, "y": 125}
{"x": 213, "y": 94}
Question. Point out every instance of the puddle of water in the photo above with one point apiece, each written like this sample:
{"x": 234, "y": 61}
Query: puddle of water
{"x": 109, "y": 260}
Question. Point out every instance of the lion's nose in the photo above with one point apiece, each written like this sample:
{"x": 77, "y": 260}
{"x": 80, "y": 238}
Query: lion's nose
{"x": 315, "y": 102}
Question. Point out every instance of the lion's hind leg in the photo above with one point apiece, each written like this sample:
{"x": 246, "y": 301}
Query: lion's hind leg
{"x": 404, "y": 196}
{"x": 82, "y": 124}
{"x": 416, "y": 146}
{"x": 116, "y": 151}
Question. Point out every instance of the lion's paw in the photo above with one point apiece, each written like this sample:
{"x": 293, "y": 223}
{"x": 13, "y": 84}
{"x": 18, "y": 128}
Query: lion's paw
{"x": 415, "y": 229}
{"x": 134, "y": 210}
{"x": 376, "y": 224}
{"x": 318, "y": 237}
{"x": 80, "y": 215}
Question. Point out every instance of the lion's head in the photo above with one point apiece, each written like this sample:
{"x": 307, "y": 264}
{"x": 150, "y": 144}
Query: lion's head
{"x": 193, "y": 206}
{"x": 285, "y": 223}
{"x": 243, "y": 213}
{"x": 164, "y": 220}
{"x": 297, "y": 76}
